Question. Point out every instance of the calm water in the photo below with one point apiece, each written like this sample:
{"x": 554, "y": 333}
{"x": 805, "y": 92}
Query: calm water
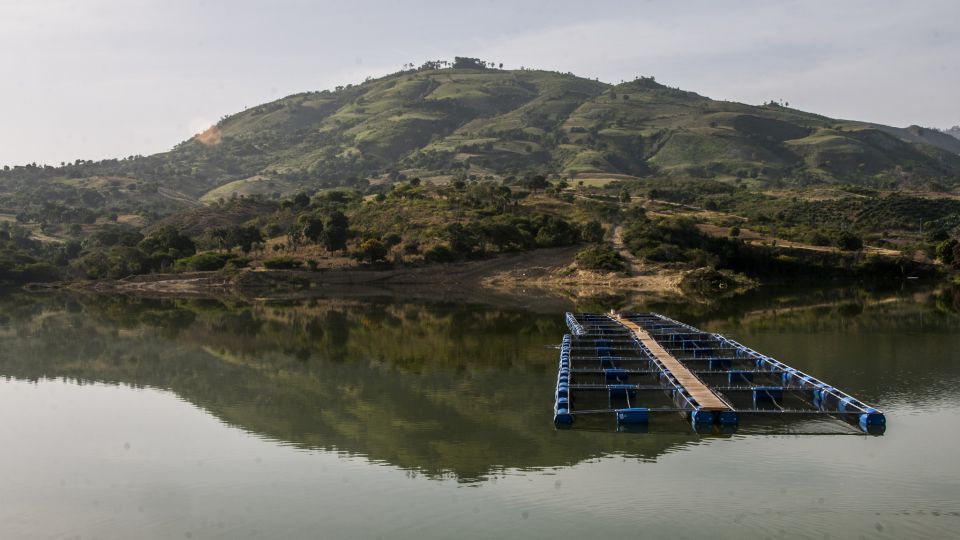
{"x": 367, "y": 418}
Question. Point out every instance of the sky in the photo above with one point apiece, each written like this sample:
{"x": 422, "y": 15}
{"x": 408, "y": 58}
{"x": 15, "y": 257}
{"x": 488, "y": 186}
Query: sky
{"x": 93, "y": 79}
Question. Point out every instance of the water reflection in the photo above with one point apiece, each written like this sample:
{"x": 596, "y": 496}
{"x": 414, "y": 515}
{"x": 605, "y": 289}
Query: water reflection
{"x": 445, "y": 389}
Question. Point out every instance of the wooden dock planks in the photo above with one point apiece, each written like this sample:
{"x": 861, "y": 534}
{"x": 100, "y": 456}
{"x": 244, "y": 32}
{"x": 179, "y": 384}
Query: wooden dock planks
{"x": 700, "y": 392}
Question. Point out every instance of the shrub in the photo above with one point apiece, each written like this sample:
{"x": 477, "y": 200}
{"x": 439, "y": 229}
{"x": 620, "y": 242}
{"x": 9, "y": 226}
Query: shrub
{"x": 945, "y": 251}
{"x": 281, "y": 263}
{"x": 592, "y": 232}
{"x": 203, "y": 262}
{"x": 556, "y": 232}
{"x": 665, "y": 253}
{"x": 392, "y": 239}
{"x": 237, "y": 262}
{"x": 817, "y": 238}
{"x": 600, "y": 257}
{"x": 847, "y": 241}
{"x": 439, "y": 254}
{"x": 371, "y": 250}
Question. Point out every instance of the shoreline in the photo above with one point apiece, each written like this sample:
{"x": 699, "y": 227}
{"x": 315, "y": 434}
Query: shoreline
{"x": 546, "y": 274}
{"x": 549, "y": 271}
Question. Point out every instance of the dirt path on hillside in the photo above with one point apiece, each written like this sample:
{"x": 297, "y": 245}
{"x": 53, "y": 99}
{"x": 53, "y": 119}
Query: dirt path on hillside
{"x": 633, "y": 264}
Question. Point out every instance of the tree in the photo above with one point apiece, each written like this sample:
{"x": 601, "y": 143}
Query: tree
{"x": 219, "y": 235}
{"x": 536, "y": 182}
{"x": 624, "y": 195}
{"x": 334, "y": 235}
{"x": 72, "y": 249}
{"x": 462, "y": 241}
{"x": 295, "y": 235}
{"x": 847, "y": 241}
{"x": 460, "y": 62}
{"x": 312, "y": 227}
{"x": 244, "y": 237}
{"x": 168, "y": 242}
{"x": 302, "y": 200}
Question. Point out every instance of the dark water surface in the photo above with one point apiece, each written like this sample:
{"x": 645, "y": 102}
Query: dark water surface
{"x": 385, "y": 417}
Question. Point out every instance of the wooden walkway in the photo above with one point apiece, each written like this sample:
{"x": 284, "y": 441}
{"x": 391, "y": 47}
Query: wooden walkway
{"x": 704, "y": 397}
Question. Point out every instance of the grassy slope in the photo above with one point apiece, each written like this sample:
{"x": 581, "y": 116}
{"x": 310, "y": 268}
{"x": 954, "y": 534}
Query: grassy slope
{"x": 496, "y": 123}
{"x": 506, "y": 122}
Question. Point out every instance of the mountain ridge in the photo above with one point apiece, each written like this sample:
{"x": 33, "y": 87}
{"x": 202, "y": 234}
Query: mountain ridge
{"x": 440, "y": 123}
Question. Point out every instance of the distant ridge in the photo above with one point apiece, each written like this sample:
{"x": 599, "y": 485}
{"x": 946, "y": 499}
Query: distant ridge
{"x": 436, "y": 122}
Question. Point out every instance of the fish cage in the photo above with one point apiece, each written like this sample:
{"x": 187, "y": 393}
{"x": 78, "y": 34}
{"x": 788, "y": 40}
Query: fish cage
{"x": 638, "y": 366}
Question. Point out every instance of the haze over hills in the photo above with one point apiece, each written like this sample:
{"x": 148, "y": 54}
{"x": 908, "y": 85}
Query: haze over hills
{"x": 472, "y": 121}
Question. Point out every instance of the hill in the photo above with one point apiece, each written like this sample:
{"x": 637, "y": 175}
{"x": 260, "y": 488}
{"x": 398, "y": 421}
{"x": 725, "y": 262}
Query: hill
{"x": 440, "y": 123}
{"x": 437, "y": 164}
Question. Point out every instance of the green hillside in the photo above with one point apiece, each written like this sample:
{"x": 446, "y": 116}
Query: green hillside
{"x": 475, "y": 123}
{"x": 440, "y": 164}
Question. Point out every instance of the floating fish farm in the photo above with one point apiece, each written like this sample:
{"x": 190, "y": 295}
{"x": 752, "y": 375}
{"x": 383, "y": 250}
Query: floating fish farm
{"x": 635, "y": 366}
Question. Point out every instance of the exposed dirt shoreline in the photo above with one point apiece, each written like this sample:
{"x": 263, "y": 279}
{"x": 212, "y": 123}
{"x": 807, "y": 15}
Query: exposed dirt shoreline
{"x": 547, "y": 271}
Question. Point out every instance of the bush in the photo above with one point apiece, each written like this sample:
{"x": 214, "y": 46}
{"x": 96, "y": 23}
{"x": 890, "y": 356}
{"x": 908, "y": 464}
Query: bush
{"x": 392, "y": 239}
{"x": 371, "y": 250}
{"x": 204, "y": 262}
{"x": 665, "y": 253}
{"x": 592, "y": 232}
{"x": 945, "y": 251}
{"x": 281, "y": 263}
{"x": 439, "y": 254}
{"x": 237, "y": 262}
{"x": 847, "y": 241}
{"x": 817, "y": 238}
{"x": 114, "y": 263}
{"x": 601, "y": 258}
{"x": 556, "y": 232}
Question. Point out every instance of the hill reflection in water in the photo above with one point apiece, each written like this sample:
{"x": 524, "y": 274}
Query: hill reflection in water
{"x": 445, "y": 389}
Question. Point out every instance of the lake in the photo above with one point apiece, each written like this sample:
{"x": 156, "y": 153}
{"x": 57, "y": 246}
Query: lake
{"x": 379, "y": 416}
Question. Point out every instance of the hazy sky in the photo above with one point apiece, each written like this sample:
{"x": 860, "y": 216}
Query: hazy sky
{"x": 109, "y": 78}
